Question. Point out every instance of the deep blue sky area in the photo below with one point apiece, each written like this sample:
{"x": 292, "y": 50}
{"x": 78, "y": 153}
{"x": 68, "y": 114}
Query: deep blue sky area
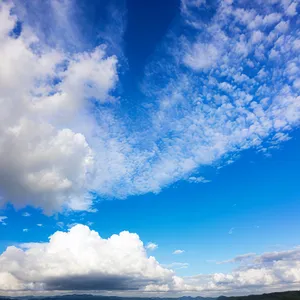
{"x": 147, "y": 23}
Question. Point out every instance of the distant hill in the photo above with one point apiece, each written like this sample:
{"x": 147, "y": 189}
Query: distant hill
{"x": 295, "y": 295}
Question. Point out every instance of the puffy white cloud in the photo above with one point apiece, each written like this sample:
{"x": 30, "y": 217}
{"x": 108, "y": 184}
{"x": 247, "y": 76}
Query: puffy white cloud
{"x": 80, "y": 259}
{"x": 178, "y": 251}
{"x": 257, "y": 36}
{"x": 44, "y": 162}
{"x": 202, "y": 56}
{"x": 151, "y": 246}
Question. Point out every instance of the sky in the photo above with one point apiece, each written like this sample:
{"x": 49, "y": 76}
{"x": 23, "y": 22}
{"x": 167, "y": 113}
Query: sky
{"x": 149, "y": 147}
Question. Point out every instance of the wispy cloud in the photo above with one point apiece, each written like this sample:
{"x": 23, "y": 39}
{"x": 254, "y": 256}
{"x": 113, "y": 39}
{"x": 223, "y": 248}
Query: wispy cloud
{"x": 200, "y": 179}
{"x": 151, "y": 246}
{"x": 26, "y": 214}
{"x": 179, "y": 251}
{"x": 231, "y": 230}
{"x": 177, "y": 265}
{"x": 2, "y": 220}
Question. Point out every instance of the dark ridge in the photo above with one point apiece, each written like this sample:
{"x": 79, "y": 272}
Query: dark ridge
{"x": 293, "y": 295}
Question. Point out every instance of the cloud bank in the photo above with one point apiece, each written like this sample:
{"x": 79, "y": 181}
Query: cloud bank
{"x": 231, "y": 84}
{"x": 82, "y": 260}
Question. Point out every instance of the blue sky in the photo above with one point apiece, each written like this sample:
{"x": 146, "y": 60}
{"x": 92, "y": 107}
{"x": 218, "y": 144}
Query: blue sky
{"x": 175, "y": 121}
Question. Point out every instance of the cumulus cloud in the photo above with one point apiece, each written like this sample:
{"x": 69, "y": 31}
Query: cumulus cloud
{"x": 269, "y": 271}
{"x": 64, "y": 137}
{"x": 43, "y": 162}
{"x": 80, "y": 259}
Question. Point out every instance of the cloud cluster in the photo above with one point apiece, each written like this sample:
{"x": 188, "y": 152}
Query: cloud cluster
{"x": 80, "y": 259}
{"x": 2, "y": 220}
{"x": 268, "y": 272}
{"x": 231, "y": 86}
{"x": 64, "y": 137}
{"x": 44, "y": 162}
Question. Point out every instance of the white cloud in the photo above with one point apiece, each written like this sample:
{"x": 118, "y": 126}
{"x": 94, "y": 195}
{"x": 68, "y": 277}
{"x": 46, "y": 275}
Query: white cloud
{"x": 177, "y": 265}
{"x": 202, "y": 56}
{"x": 25, "y": 229}
{"x": 272, "y": 18}
{"x": 39, "y": 225}
{"x": 266, "y": 272}
{"x": 2, "y": 220}
{"x": 178, "y": 251}
{"x": 257, "y": 36}
{"x": 199, "y": 179}
{"x": 291, "y": 9}
{"x": 53, "y": 167}
{"x": 151, "y": 246}
{"x": 296, "y": 84}
{"x": 26, "y": 214}
{"x": 240, "y": 258}
{"x": 79, "y": 259}
{"x": 282, "y": 26}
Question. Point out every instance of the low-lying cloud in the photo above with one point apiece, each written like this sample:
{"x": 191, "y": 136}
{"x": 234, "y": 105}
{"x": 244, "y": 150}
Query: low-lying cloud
{"x": 83, "y": 261}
